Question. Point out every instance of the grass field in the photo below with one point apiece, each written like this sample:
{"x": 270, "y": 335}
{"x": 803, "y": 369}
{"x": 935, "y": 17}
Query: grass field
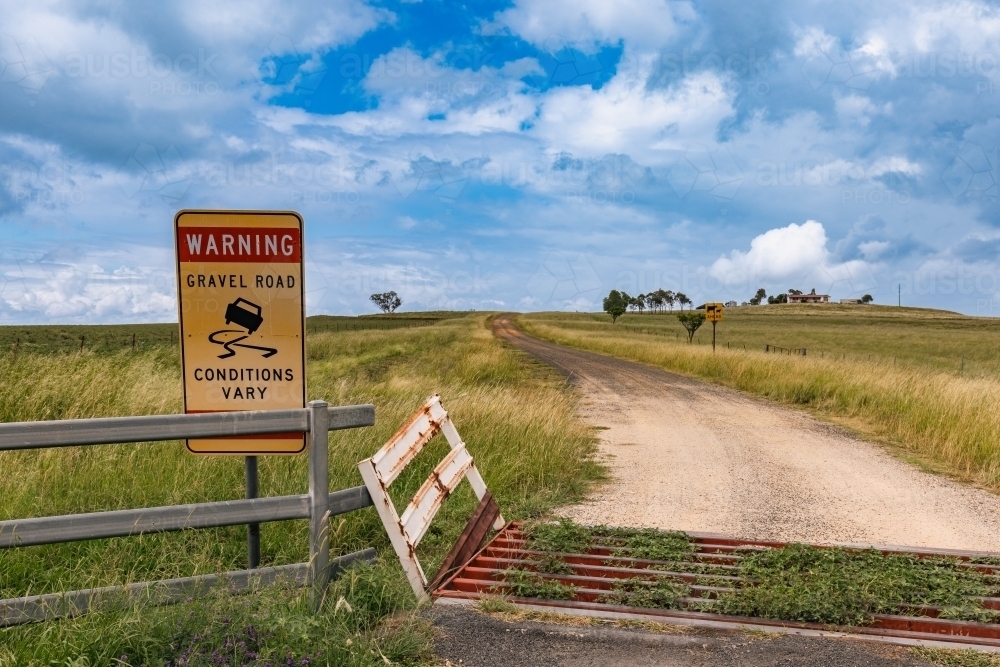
{"x": 891, "y": 374}
{"x": 922, "y": 338}
{"x": 111, "y": 338}
{"x": 516, "y": 418}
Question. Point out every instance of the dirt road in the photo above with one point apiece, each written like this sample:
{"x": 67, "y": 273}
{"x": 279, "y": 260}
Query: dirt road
{"x": 691, "y": 456}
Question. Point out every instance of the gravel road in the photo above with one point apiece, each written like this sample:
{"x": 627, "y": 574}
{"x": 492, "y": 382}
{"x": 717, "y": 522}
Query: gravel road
{"x": 687, "y": 455}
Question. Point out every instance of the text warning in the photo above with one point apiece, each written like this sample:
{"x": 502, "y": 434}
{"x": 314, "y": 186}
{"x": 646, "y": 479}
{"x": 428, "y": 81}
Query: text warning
{"x": 242, "y": 320}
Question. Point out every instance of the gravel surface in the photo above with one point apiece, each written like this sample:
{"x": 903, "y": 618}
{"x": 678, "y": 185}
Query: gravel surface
{"x": 472, "y": 639}
{"x": 687, "y": 455}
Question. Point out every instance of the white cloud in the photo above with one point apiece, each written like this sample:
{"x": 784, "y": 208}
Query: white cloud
{"x": 792, "y": 256}
{"x": 871, "y": 250}
{"x": 40, "y": 290}
{"x": 859, "y": 109}
{"x": 587, "y": 24}
{"x": 625, "y": 116}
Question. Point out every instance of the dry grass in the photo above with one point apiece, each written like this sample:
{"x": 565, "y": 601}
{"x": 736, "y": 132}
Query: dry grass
{"x": 941, "y": 416}
{"x": 517, "y": 419}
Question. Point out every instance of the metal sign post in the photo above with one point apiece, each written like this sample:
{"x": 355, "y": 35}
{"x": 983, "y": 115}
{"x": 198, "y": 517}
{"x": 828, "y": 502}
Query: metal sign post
{"x": 242, "y": 321}
{"x": 713, "y": 313}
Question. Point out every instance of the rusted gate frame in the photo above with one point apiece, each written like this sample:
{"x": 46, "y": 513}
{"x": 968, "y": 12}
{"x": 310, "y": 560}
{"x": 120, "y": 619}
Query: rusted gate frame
{"x": 405, "y": 531}
{"x": 595, "y": 573}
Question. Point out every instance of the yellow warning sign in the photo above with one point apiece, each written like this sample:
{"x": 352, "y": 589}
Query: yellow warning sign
{"x": 242, "y": 320}
{"x": 713, "y": 312}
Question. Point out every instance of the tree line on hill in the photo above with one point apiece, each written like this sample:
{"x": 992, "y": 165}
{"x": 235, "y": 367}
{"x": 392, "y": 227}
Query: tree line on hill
{"x": 617, "y": 303}
{"x": 654, "y": 302}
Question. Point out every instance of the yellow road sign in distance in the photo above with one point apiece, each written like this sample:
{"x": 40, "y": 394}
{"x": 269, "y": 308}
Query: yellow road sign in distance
{"x": 242, "y": 320}
{"x": 713, "y": 312}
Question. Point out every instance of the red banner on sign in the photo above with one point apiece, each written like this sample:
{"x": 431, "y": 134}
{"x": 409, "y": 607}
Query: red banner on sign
{"x": 239, "y": 244}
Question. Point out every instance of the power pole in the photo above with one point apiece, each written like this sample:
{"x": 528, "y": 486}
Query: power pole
{"x": 899, "y": 296}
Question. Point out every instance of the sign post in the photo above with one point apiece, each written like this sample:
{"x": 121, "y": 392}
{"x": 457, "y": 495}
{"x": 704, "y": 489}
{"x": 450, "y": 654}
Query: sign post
{"x": 242, "y": 327}
{"x": 713, "y": 313}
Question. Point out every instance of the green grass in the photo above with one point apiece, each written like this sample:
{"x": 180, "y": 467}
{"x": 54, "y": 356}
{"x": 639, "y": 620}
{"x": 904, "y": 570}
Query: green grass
{"x": 517, "y": 419}
{"x": 914, "y": 337}
{"x": 798, "y": 582}
{"x": 844, "y": 587}
{"x": 111, "y": 338}
{"x": 891, "y": 374}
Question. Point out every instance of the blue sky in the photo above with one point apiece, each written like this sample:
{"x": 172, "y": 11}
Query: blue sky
{"x": 519, "y": 155}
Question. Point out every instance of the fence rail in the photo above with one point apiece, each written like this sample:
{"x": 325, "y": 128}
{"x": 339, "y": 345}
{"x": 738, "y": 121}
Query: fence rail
{"x": 318, "y": 505}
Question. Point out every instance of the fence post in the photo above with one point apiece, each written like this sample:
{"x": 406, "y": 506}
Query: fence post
{"x": 253, "y": 529}
{"x": 319, "y": 502}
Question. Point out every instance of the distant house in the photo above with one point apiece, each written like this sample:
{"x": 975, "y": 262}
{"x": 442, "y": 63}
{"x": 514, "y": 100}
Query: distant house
{"x": 812, "y": 297}
{"x": 730, "y": 304}
{"x": 851, "y": 301}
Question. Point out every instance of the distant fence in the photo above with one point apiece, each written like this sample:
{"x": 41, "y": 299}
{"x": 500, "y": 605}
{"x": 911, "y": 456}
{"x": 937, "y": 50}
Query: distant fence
{"x": 801, "y": 351}
{"x": 318, "y": 505}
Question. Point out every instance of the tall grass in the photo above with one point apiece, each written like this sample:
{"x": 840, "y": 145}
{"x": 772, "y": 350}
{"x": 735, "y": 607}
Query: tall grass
{"x": 516, "y": 418}
{"x": 941, "y": 416}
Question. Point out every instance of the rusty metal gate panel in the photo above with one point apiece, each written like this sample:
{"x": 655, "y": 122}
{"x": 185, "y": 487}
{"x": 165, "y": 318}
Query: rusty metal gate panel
{"x": 379, "y": 471}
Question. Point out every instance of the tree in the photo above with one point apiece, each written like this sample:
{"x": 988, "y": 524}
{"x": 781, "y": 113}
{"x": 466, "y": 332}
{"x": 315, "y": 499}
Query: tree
{"x": 388, "y": 302}
{"x": 653, "y": 300}
{"x": 691, "y": 320}
{"x": 615, "y": 304}
{"x": 781, "y": 298}
{"x": 670, "y": 298}
{"x": 867, "y": 298}
{"x": 794, "y": 291}
{"x": 640, "y": 303}
{"x": 682, "y": 299}
{"x": 758, "y": 297}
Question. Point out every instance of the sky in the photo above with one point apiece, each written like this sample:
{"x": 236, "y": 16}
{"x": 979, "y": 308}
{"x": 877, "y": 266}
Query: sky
{"x": 520, "y": 155}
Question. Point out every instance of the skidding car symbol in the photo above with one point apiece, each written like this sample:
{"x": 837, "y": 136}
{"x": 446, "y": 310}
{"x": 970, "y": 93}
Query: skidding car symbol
{"x": 243, "y": 317}
{"x": 250, "y": 319}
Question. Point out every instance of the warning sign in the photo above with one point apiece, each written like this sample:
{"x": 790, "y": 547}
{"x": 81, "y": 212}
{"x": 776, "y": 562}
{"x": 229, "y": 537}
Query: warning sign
{"x": 713, "y": 312}
{"x": 242, "y": 319}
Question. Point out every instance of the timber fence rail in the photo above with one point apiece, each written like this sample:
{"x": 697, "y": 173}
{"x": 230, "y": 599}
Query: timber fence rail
{"x": 318, "y": 505}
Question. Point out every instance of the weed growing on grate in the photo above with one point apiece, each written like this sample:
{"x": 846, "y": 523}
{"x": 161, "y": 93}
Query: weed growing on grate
{"x": 845, "y": 587}
{"x": 528, "y": 584}
{"x": 636, "y": 592}
{"x": 551, "y": 563}
{"x": 651, "y": 544}
{"x": 560, "y": 536}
